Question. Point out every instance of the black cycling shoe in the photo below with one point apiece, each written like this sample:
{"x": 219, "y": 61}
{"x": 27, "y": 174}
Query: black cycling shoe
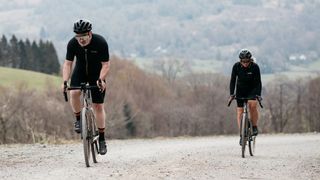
{"x": 255, "y": 130}
{"x": 102, "y": 147}
{"x": 77, "y": 127}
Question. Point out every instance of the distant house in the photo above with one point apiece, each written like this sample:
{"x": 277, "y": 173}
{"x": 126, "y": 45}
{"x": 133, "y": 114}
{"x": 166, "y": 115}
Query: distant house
{"x": 295, "y": 57}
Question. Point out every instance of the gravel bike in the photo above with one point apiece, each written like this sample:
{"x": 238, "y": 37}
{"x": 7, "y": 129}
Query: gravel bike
{"x": 89, "y": 131}
{"x": 246, "y": 131}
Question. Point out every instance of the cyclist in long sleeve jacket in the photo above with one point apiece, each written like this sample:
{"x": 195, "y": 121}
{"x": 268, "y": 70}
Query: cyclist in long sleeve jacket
{"x": 246, "y": 81}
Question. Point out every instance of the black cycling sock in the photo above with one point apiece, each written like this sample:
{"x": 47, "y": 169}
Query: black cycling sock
{"x": 77, "y": 115}
{"x": 101, "y": 133}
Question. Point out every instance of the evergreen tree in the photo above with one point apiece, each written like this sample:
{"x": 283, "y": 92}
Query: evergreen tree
{"x": 53, "y": 61}
{"x": 14, "y": 53}
{"x": 4, "y": 46}
{"x": 35, "y": 57}
{"x": 29, "y": 55}
{"x": 40, "y": 57}
{"x": 23, "y": 55}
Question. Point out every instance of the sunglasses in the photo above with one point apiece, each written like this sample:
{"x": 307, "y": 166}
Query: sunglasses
{"x": 245, "y": 60}
{"x": 83, "y": 37}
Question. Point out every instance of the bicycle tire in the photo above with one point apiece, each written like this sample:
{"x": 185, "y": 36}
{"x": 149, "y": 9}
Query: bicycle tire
{"x": 253, "y": 144}
{"x": 243, "y": 135}
{"x": 85, "y": 139}
{"x": 250, "y": 140}
{"x": 94, "y": 151}
{"x": 93, "y": 143}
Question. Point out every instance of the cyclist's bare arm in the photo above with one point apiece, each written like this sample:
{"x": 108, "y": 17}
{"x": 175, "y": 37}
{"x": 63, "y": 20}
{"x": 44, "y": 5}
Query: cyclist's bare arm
{"x": 66, "y": 71}
{"x": 104, "y": 70}
{"x": 103, "y": 74}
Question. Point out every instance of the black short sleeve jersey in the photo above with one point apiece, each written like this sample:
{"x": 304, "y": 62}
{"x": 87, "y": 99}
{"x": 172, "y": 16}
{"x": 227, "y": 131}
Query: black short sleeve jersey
{"x": 89, "y": 57}
{"x": 247, "y": 81}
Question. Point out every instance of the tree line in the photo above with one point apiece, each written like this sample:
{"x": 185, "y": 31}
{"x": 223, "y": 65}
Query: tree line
{"x": 141, "y": 104}
{"x": 40, "y": 57}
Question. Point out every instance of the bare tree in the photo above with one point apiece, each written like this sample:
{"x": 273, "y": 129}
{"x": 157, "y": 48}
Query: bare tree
{"x": 313, "y": 105}
{"x": 279, "y": 101}
{"x": 170, "y": 68}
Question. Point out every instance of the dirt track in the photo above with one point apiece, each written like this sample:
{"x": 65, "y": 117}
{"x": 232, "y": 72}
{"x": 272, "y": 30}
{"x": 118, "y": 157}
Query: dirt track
{"x": 277, "y": 157}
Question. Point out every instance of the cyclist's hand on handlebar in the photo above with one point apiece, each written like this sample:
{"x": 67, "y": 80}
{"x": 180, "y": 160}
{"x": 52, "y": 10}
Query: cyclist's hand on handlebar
{"x": 64, "y": 86}
{"x": 259, "y": 98}
{"x": 101, "y": 84}
{"x": 232, "y": 97}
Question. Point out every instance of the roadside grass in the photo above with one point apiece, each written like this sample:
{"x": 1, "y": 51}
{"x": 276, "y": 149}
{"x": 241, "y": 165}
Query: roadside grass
{"x": 10, "y": 77}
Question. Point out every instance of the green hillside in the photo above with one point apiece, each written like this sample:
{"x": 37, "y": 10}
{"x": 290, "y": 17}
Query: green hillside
{"x": 33, "y": 80}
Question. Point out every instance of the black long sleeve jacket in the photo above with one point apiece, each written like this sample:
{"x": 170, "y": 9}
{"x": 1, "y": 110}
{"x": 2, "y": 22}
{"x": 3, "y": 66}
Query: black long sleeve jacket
{"x": 246, "y": 78}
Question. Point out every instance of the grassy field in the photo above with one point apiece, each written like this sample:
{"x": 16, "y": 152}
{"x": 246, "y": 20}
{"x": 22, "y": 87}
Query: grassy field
{"x": 34, "y": 80}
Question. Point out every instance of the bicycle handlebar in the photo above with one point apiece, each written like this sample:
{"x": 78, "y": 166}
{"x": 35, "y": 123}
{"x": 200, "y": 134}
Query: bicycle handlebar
{"x": 82, "y": 87}
{"x": 256, "y": 98}
{"x": 259, "y": 100}
{"x": 65, "y": 96}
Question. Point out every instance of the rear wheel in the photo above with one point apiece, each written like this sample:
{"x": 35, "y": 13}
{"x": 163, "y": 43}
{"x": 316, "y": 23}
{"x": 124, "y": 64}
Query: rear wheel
{"x": 85, "y": 136}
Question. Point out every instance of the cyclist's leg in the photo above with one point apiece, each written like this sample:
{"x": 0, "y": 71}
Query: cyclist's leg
{"x": 76, "y": 107}
{"x": 98, "y": 107}
{"x": 75, "y": 100}
{"x": 239, "y": 111}
{"x": 239, "y": 115}
{"x": 100, "y": 115}
{"x": 100, "y": 119}
{"x": 254, "y": 114}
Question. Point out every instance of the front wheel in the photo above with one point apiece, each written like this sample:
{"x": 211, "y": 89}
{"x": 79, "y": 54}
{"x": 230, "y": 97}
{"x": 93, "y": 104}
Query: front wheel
{"x": 252, "y": 145}
{"x": 251, "y": 140}
{"x": 243, "y": 135}
{"x": 85, "y": 136}
{"x": 94, "y": 135}
{"x": 94, "y": 150}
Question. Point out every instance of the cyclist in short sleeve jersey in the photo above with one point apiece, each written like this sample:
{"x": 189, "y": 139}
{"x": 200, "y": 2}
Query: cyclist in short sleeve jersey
{"x": 91, "y": 66}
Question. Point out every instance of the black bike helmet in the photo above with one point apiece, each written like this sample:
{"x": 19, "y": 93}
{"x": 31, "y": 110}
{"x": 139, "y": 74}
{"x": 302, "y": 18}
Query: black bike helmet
{"x": 82, "y": 26}
{"x": 245, "y": 54}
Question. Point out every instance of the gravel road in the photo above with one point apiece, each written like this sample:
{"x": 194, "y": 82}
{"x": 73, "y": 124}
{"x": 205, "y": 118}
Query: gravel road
{"x": 281, "y": 156}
